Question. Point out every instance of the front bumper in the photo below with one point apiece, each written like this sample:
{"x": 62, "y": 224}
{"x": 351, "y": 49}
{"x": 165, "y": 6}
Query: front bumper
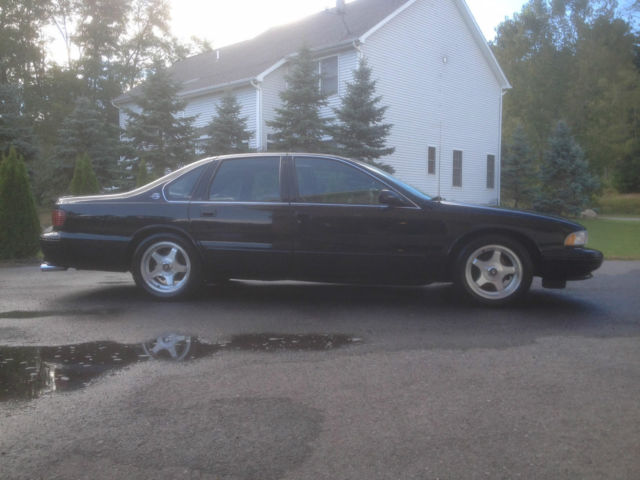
{"x": 569, "y": 263}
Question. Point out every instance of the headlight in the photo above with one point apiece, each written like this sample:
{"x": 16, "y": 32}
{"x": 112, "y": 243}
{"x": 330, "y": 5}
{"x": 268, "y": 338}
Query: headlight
{"x": 577, "y": 239}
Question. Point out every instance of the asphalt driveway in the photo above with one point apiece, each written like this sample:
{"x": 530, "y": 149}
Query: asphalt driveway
{"x": 302, "y": 381}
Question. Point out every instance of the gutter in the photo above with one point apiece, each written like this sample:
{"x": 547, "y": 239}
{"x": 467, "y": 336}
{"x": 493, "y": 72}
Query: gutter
{"x": 257, "y": 84}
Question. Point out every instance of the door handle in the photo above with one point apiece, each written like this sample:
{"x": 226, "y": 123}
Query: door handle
{"x": 302, "y": 218}
{"x": 208, "y": 212}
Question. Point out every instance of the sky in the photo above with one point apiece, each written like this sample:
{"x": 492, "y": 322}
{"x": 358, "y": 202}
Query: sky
{"x": 223, "y": 22}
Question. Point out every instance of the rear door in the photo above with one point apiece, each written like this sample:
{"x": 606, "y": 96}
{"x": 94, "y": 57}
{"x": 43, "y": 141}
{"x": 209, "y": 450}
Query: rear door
{"x": 242, "y": 222}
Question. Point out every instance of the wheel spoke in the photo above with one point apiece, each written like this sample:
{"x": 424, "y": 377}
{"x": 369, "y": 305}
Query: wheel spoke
{"x": 496, "y": 258}
{"x": 172, "y": 255}
{"x": 483, "y": 280}
{"x": 157, "y": 257}
{"x": 179, "y": 268}
{"x": 508, "y": 270}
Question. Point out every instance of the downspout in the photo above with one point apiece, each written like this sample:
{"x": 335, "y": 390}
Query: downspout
{"x": 499, "y": 162}
{"x": 357, "y": 45}
{"x": 258, "y": 86}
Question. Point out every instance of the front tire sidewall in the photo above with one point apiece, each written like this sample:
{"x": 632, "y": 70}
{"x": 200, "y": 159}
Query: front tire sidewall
{"x": 503, "y": 244}
{"x": 141, "y": 255}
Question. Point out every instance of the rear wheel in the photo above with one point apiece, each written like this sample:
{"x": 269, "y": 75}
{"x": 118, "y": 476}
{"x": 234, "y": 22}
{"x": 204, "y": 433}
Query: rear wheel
{"x": 494, "y": 270}
{"x": 166, "y": 266}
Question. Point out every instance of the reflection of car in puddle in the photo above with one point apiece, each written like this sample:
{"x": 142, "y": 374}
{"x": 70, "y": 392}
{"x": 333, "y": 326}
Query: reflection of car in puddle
{"x": 29, "y": 372}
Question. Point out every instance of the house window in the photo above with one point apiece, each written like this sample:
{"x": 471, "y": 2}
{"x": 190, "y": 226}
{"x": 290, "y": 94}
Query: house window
{"x": 457, "y": 168}
{"x": 328, "y": 70}
{"x": 491, "y": 171}
{"x": 431, "y": 161}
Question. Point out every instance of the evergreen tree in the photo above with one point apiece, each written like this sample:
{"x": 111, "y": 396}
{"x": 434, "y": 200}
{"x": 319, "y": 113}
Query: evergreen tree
{"x": 627, "y": 176}
{"x": 142, "y": 174}
{"x": 566, "y": 184}
{"x": 360, "y": 133}
{"x": 19, "y": 224}
{"x": 227, "y": 131}
{"x": 518, "y": 170}
{"x": 84, "y": 181}
{"x": 15, "y": 128}
{"x": 85, "y": 131}
{"x": 298, "y": 125}
{"x": 157, "y": 134}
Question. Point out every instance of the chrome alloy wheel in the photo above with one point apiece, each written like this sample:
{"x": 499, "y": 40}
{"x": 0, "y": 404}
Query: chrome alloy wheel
{"x": 165, "y": 267}
{"x": 493, "y": 272}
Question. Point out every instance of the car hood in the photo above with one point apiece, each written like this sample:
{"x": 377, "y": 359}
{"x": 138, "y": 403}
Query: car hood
{"x": 501, "y": 215}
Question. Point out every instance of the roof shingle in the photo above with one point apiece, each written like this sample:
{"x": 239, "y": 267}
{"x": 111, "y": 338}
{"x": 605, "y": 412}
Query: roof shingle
{"x": 246, "y": 60}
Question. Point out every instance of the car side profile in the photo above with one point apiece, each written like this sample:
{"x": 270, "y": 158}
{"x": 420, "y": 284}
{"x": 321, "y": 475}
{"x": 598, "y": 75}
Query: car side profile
{"x": 310, "y": 217}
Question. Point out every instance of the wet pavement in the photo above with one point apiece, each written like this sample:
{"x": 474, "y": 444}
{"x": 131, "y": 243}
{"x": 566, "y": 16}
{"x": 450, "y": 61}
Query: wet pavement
{"x": 294, "y": 381}
{"x": 27, "y": 373}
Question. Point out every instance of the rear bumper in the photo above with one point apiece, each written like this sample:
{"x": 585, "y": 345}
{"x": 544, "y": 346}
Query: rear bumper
{"x": 91, "y": 252}
{"x": 569, "y": 263}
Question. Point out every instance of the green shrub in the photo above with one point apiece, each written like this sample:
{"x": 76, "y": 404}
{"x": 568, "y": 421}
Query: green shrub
{"x": 84, "y": 181}
{"x": 619, "y": 204}
{"x": 19, "y": 224}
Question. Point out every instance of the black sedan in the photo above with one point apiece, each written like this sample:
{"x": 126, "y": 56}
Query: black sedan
{"x": 310, "y": 217}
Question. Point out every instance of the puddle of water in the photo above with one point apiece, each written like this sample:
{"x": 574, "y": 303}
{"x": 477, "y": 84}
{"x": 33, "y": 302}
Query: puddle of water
{"x": 53, "y": 313}
{"x": 29, "y": 372}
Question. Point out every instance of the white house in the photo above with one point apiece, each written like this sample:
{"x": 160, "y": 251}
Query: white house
{"x": 434, "y": 69}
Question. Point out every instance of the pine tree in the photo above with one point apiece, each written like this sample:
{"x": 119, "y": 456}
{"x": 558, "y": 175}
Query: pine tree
{"x": 228, "y": 130}
{"x": 518, "y": 170}
{"x": 15, "y": 128}
{"x": 19, "y": 224}
{"x": 84, "y": 181}
{"x": 86, "y": 131}
{"x": 566, "y": 183}
{"x": 298, "y": 125}
{"x": 157, "y": 134}
{"x": 142, "y": 174}
{"x": 360, "y": 133}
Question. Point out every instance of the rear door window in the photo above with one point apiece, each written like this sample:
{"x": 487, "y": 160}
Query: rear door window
{"x": 247, "y": 180}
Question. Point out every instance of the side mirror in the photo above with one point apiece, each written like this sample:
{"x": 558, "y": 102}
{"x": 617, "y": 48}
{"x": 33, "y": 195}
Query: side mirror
{"x": 391, "y": 198}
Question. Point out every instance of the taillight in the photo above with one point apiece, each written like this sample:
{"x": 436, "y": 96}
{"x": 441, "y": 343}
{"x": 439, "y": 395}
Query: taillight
{"x": 58, "y": 217}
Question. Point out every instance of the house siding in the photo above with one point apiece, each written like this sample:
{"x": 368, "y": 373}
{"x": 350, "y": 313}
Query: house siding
{"x": 453, "y": 104}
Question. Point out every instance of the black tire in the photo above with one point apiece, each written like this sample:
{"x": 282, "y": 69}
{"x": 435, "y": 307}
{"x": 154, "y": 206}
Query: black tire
{"x": 493, "y": 270}
{"x": 166, "y": 266}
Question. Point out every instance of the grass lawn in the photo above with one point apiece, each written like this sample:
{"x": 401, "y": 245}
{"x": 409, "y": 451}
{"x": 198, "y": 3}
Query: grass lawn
{"x": 617, "y": 239}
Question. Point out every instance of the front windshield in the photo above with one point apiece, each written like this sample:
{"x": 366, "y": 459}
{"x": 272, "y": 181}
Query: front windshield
{"x": 393, "y": 180}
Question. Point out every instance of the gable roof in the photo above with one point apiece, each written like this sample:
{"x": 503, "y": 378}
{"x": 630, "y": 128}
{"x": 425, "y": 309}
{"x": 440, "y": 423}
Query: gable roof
{"x": 242, "y": 62}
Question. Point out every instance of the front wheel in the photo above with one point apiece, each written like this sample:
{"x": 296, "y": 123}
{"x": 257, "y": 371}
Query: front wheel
{"x": 494, "y": 270}
{"x": 166, "y": 266}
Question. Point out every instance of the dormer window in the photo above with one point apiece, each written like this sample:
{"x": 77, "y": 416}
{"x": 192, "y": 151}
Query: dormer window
{"x": 328, "y": 70}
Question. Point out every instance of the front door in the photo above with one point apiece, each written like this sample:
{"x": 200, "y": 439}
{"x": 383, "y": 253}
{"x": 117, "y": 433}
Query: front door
{"x": 343, "y": 232}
